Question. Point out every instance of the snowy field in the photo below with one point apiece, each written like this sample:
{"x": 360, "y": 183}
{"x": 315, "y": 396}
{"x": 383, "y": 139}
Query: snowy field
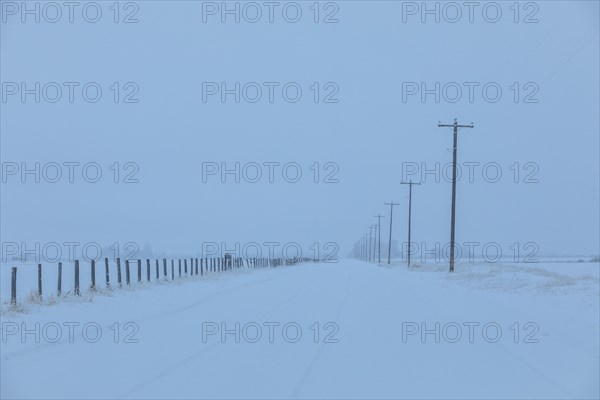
{"x": 344, "y": 330}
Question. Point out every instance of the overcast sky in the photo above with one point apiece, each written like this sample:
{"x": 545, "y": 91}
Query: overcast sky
{"x": 368, "y": 126}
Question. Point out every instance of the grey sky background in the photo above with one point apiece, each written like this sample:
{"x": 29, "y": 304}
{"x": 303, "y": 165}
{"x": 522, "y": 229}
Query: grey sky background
{"x": 369, "y": 133}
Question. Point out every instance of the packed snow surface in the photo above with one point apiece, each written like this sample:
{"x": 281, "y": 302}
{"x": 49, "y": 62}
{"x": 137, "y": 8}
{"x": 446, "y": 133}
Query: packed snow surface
{"x": 329, "y": 330}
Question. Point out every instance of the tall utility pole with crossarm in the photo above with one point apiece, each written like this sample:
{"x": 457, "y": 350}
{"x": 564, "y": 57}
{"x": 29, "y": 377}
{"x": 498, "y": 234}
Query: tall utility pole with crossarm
{"x": 379, "y": 235}
{"x": 391, "y": 204}
{"x": 455, "y": 127}
{"x": 410, "y": 184}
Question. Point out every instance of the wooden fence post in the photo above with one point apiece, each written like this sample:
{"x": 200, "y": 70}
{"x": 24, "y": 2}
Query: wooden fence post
{"x": 93, "y": 274}
{"x": 127, "y": 273}
{"x": 119, "y": 281}
{"x": 40, "y": 281}
{"x": 13, "y": 286}
{"x": 77, "y": 278}
{"x": 59, "y": 283}
{"x": 107, "y": 273}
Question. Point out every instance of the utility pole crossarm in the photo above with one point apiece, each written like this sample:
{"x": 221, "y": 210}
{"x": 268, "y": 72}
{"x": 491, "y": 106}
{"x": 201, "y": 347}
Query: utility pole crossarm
{"x": 452, "y": 126}
{"x": 455, "y": 125}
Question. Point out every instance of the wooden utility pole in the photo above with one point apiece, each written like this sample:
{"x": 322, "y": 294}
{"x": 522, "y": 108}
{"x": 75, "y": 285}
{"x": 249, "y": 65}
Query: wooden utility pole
{"x": 391, "y": 204}
{"x": 370, "y": 236}
{"x": 374, "y": 241}
{"x": 455, "y": 127}
{"x": 379, "y": 235}
{"x": 362, "y": 248}
{"x": 410, "y": 184}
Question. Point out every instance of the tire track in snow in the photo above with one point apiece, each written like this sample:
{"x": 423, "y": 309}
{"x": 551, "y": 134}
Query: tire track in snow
{"x": 210, "y": 297}
{"x": 186, "y": 360}
{"x": 307, "y": 371}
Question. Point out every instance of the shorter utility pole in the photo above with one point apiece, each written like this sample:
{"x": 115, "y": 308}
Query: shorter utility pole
{"x": 410, "y": 184}
{"x": 360, "y": 249}
{"x": 361, "y": 253}
{"x": 379, "y": 234}
{"x": 374, "y": 240}
{"x": 391, "y": 204}
{"x": 370, "y": 235}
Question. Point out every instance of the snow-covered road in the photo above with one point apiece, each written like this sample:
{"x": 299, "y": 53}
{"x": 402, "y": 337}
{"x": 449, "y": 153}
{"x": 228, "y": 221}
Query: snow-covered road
{"x": 345, "y": 330}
